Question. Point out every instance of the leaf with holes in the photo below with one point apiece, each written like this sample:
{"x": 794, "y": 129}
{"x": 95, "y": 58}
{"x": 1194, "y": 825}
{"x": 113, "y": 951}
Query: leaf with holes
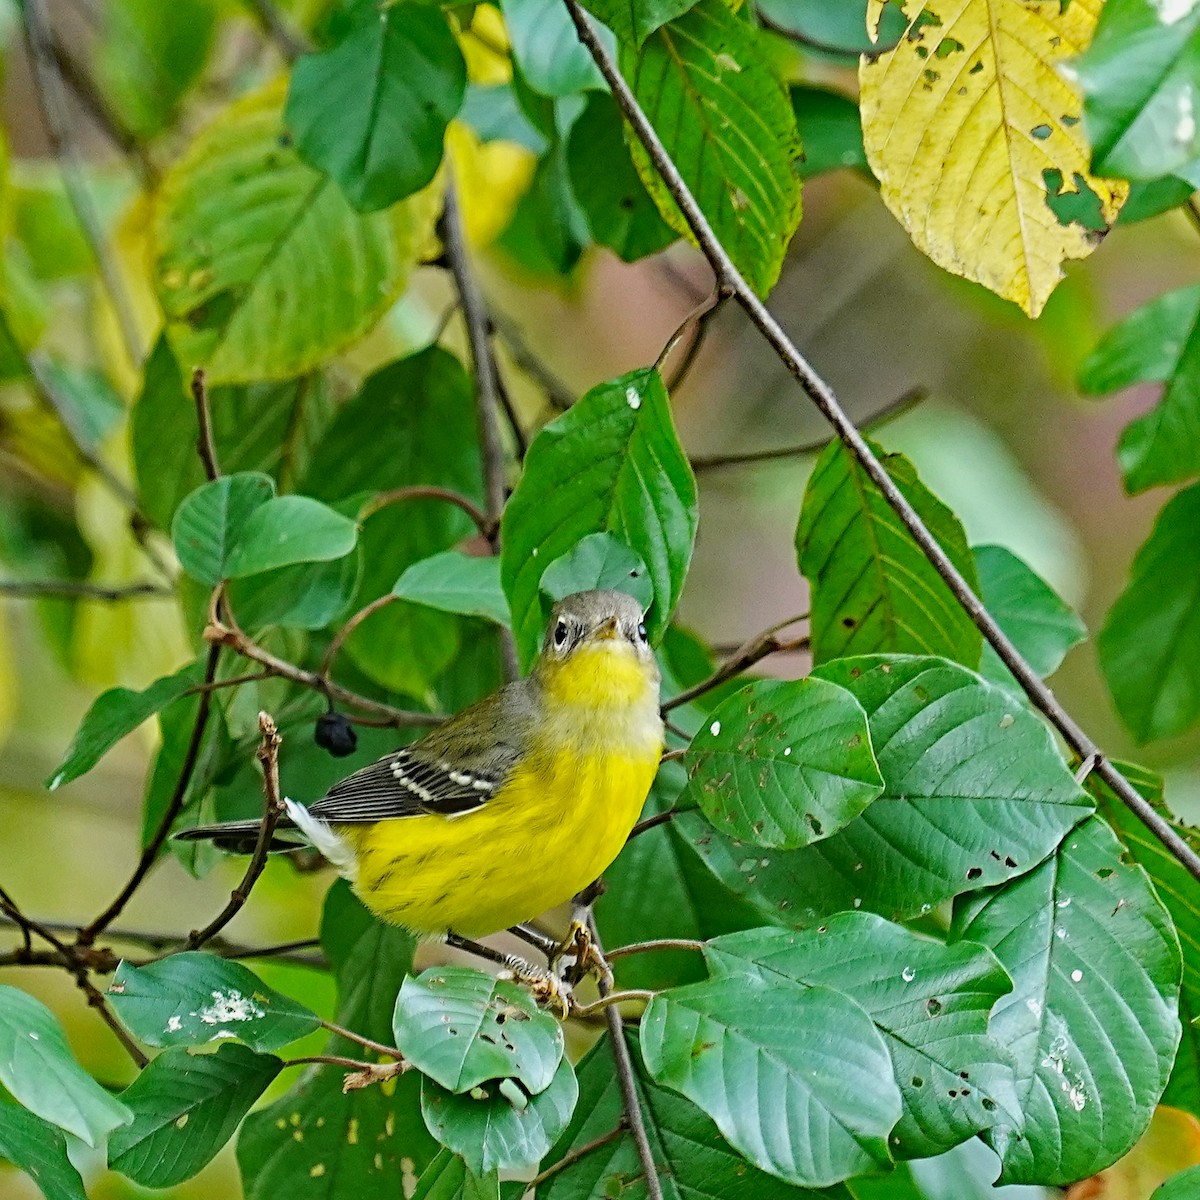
{"x": 798, "y": 1080}
{"x": 611, "y": 464}
{"x": 783, "y": 763}
{"x": 975, "y": 793}
{"x": 930, "y": 1002}
{"x": 975, "y": 138}
{"x": 372, "y": 111}
{"x": 706, "y": 84}
{"x": 40, "y": 1072}
{"x": 296, "y": 274}
{"x": 1036, "y": 620}
{"x": 208, "y": 1094}
{"x": 1141, "y": 86}
{"x": 694, "y": 1160}
{"x": 317, "y": 1141}
{"x": 498, "y": 1125}
{"x": 1150, "y": 644}
{"x": 192, "y": 998}
{"x": 873, "y": 589}
{"x": 1092, "y": 1021}
{"x": 208, "y": 524}
{"x": 115, "y": 714}
{"x": 40, "y": 1150}
{"x": 463, "y": 1028}
{"x": 1158, "y": 343}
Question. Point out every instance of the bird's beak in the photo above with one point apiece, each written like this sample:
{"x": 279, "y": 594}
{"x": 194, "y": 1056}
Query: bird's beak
{"x": 607, "y": 630}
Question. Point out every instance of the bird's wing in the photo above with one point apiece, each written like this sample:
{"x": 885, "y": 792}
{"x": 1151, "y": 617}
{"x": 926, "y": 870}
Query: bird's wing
{"x": 454, "y": 769}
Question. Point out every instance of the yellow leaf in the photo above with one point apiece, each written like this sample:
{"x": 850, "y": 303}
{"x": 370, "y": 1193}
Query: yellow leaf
{"x": 484, "y": 43}
{"x": 976, "y": 140}
{"x": 492, "y": 177}
{"x": 1171, "y": 1144}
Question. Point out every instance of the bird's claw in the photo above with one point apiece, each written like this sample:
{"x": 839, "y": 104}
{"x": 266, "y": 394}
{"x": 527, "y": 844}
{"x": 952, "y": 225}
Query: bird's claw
{"x": 547, "y": 989}
{"x": 577, "y": 957}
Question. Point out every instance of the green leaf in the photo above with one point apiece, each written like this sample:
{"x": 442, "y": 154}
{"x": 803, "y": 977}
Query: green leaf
{"x": 192, "y": 998}
{"x": 296, "y": 275}
{"x": 447, "y": 1178}
{"x": 112, "y": 716}
{"x": 1039, "y": 623}
{"x": 1159, "y": 342}
{"x": 1092, "y": 1020}
{"x": 1176, "y": 889}
{"x": 975, "y": 793}
{"x": 620, "y": 213}
{"x": 599, "y": 560}
{"x": 498, "y": 1126}
{"x": 39, "y": 1070}
{"x": 694, "y": 1161}
{"x": 1182, "y": 1186}
{"x": 1150, "y": 644}
{"x": 784, "y": 763}
{"x": 316, "y": 1141}
{"x": 287, "y": 530}
{"x": 611, "y": 464}
{"x": 304, "y": 596}
{"x": 372, "y": 111}
{"x": 463, "y": 1028}
{"x": 873, "y": 590}
{"x": 1153, "y": 197}
{"x": 830, "y": 130}
{"x": 798, "y": 1080}
{"x": 209, "y": 524}
{"x": 727, "y": 123}
{"x": 552, "y": 59}
{"x": 835, "y": 29}
{"x": 40, "y": 1150}
{"x": 930, "y": 1002}
{"x": 633, "y": 21}
{"x": 1147, "y": 346}
{"x": 1140, "y": 86}
{"x": 548, "y": 232}
{"x": 457, "y": 583}
{"x": 208, "y": 1094}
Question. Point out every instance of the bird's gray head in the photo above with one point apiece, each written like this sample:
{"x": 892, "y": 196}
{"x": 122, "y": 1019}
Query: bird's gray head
{"x": 597, "y": 616}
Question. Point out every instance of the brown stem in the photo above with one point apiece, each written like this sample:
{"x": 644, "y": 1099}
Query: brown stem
{"x": 558, "y": 393}
{"x": 709, "y": 305}
{"x": 96, "y": 1000}
{"x": 569, "y": 1160}
{"x": 80, "y": 589}
{"x": 651, "y": 823}
{"x": 206, "y": 447}
{"x": 654, "y": 946}
{"x": 607, "y": 1001}
{"x": 149, "y": 855}
{"x": 427, "y": 492}
{"x": 350, "y": 626}
{"x": 290, "y": 43}
{"x": 268, "y": 756}
{"x": 821, "y": 394}
{"x": 365, "y": 1042}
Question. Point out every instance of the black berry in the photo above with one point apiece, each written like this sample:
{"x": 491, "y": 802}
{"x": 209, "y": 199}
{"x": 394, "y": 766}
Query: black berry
{"x": 335, "y": 734}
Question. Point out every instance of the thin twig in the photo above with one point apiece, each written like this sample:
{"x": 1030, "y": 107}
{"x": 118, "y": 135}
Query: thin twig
{"x": 892, "y": 409}
{"x": 427, "y": 492}
{"x": 96, "y": 1000}
{"x": 487, "y": 393}
{"x": 651, "y": 823}
{"x": 79, "y": 589}
{"x": 708, "y": 305}
{"x": 206, "y": 447}
{"x": 610, "y": 999}
{"x": 365, "y": 1042}
{"x": 339, "y": 638}
{"x": 149, "y": 854}
{"x": 569, "y": 1160}
{"x": 655, "y": 946}
{"x": 290, "y": 43}
{"x": 625, "y": 1076}
{"x": 560, "y": 396}
{"x": 695, "y": 345}
{"x": 730, "y": 279}
{"x": 52, "y": 98}
{"x": 268, "y": 757}
{"x": 760, "y": 646}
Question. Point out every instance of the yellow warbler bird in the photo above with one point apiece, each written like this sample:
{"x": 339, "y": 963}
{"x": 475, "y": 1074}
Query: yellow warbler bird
{"x": 515, "y": 804}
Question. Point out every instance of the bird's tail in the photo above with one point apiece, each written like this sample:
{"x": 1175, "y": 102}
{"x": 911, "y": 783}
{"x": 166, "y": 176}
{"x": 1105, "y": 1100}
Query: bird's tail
{"x": 240, "y": 837}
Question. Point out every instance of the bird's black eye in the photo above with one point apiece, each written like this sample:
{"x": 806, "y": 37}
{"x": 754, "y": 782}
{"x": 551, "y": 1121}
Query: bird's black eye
{"x": 642, "y": 630}
{"x": 560, "y": 632}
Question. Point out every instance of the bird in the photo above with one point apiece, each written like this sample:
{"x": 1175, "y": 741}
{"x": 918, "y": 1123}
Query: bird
{"x": 511, "y": 807}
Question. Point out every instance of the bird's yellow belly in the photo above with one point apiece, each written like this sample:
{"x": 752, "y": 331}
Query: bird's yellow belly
{"x": 554, "y": 828}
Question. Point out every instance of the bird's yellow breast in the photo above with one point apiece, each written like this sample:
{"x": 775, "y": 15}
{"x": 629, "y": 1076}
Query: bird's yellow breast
{"x": 556, "y": 824}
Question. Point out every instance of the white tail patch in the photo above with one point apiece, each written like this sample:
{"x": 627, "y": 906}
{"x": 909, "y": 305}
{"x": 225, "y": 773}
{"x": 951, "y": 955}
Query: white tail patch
{"x": 335, "y": 848}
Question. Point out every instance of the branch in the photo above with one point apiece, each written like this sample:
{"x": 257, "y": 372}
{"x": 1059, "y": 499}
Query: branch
{"x": 569, "y": 1160}
{"x": 560, "y": 396}
{"x": 626, "y": 1077}
{"x": 427, "y": 492}
{"x": 52, "y": 98}
{"x": 79, "y": 589}
{"x": 760, "y": 646}
{"x": 892, "y": 409}
{"x": 487, "y": 392}
{"x": 291, "y": 44}
{"x": 729, "y": 279}
{"x": 656, "y": 945}
{"x": 206, "y": 447}
{"x": 268, "y": 756}
{"x": 149, "y": 855}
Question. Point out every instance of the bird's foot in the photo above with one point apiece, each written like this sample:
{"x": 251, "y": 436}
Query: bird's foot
{"x": 577, "y": 957}
{"x": 546, "y": 988}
